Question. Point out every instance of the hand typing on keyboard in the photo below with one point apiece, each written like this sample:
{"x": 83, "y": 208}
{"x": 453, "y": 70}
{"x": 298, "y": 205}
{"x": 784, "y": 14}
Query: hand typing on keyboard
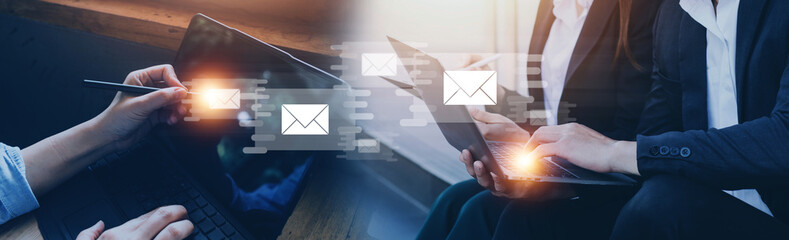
{"x": 501, "y": 187}
{"x": 585, "y": 148}
{"x": 162, "y": 223}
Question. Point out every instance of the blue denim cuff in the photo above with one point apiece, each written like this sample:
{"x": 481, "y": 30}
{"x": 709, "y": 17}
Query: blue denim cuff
{"x": 16, "y": 196}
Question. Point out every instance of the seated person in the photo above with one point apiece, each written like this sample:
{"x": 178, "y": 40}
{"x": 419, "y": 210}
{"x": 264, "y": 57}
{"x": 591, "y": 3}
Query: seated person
{"x": 714, "y": 157}
{"x": 608, "y": 85}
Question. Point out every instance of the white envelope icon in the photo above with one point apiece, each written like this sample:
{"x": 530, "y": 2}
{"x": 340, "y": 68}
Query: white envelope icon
{"x": 305, "y": 119}
{"x": 224, "y": 98}
{"x": 379, "y": 64}
{"x": 470, "y": 88}
{"x": 368, "y": 146}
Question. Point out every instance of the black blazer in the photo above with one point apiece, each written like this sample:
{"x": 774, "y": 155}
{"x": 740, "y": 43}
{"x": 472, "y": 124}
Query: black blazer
{"x": 753, "y": 154}
{"x": 604, "y": 95}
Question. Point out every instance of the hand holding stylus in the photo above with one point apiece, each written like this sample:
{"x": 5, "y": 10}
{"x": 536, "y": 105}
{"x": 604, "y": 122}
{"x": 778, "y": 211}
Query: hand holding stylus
{"x": 130, "y": 116}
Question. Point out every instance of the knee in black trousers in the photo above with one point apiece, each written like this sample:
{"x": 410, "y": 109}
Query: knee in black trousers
{"x": 671, "y": 207}
{"x": 446, "y": 209}
{"x": 653, "y": 209}
{"x": 478, "y": 217}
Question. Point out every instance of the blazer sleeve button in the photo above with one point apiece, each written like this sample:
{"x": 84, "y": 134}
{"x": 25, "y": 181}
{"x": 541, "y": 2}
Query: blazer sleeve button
{"x": 684, "y": 152}
{"x": 664, "y": 150}
{"x": 654, "y": 150}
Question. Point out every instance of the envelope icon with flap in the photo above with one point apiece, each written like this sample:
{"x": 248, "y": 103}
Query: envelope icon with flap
{"x": 224, "y": 98}
{"x": 538, "y": 118}
{"x": 379, "y": 64}
{"x": 305, "y": 119}
{"x": 470, "y": 88}
{"x": 368, "y": 146}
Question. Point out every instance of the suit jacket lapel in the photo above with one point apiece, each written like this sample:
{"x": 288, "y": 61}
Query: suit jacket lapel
{"x": 692, "y": 52}
{"x": 748, "y": 17}
{"x": 542, "y": 28}
{"x": 595, "y": 23}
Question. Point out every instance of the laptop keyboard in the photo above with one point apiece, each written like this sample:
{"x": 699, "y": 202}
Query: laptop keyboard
{"x": 504, "y": 152}
{"x": 139, "y": 185}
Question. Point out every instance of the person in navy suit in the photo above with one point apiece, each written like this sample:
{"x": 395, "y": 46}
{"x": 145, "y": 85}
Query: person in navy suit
{"x": 596, "y": 63}
{"x": 713, "y": 151}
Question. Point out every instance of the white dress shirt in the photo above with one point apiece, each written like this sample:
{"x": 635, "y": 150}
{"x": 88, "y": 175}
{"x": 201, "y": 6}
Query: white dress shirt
{"x": 721, "y": 84}
{"x": 558, "y": 49}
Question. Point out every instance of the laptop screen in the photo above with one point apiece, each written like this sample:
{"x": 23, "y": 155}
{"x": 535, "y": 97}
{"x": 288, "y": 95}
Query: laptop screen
{"x": 215, "y": 141}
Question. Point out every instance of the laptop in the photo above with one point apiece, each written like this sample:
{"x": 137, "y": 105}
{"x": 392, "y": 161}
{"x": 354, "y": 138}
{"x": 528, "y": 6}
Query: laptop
{"x": 198, "y": 164}
{"x": 459, "y": 129}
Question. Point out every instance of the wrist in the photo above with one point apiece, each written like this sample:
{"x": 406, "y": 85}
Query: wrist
{"x": 98, "y": 131}
{"x": 625, "y": 158}
{"x": 58, "y": 157}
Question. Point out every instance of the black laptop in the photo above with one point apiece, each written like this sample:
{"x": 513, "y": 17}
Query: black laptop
{"x": 197, "y": 164}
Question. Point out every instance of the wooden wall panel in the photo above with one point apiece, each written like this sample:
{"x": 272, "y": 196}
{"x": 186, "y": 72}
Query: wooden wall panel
{"x": 162, "y": 24}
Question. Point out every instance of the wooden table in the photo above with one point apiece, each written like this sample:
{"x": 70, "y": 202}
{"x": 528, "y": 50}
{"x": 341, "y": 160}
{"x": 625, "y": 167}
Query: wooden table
{"x": 334, "y": 204}
{"x": 22, "y": 228}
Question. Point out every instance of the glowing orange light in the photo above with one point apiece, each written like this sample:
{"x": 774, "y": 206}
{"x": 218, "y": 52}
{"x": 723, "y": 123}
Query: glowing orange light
{"x": 525, "y": 163}
{"x": 208, "y": 95}
{"x": 205, "y": 94}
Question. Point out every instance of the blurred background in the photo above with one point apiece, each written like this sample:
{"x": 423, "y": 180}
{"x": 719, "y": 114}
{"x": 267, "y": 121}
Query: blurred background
{"x": 451, "y": 26}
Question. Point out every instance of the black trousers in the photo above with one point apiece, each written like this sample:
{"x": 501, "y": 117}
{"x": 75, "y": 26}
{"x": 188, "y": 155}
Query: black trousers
{"x": 590, "y": 217}
{"x": 669, "y": 207}
{"x": 477, "y": 206}
{"x": 665, "y": 207}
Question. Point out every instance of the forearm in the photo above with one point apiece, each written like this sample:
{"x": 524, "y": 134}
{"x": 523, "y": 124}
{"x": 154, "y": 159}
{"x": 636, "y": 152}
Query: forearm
{"x": 54, "y": 159}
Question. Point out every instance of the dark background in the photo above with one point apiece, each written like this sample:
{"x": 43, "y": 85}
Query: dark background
{"x": 41, "y": 70}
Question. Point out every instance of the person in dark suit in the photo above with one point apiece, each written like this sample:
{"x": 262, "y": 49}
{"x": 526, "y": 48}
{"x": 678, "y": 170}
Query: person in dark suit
{"x": 595, "y": 60}
{"x": 713, "y": 155}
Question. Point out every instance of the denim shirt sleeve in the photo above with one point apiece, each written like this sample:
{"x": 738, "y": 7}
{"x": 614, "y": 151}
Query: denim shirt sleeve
{"x": 16, "y": 197}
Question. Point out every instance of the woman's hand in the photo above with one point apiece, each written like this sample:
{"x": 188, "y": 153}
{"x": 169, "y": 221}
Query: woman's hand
{"x": 584, "y": 147}
{"x": 474, "y": 58}
{"x": 501, "y": 187}
{"x": 163, "y": 223}
{"x": 129, "y": 117}
{"x": 496, "y": 127}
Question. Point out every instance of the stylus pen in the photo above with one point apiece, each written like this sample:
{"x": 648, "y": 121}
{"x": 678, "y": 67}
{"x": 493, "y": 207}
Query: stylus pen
{"x": 483, "y": 62}
{"x": 121, "y": 87}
